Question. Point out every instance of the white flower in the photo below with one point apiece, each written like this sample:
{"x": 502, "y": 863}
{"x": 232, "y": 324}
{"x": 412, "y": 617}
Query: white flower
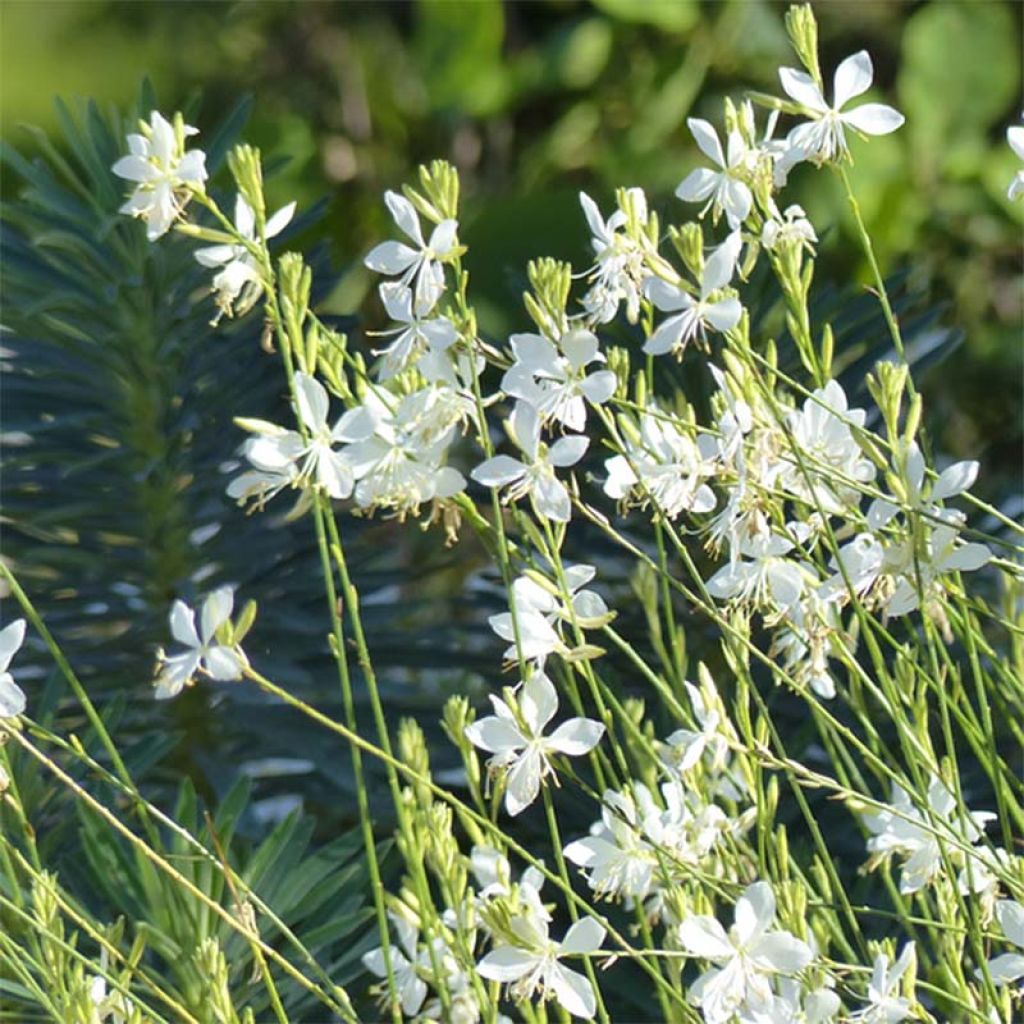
{"x": 746, "y": 956}
{"x": 1015, "y": 137}
{"x": 493, "y": 875}
{"x": 666, "y": 464}
{"x": 687, "y": 746}
{"x": 886, "y": 1006}
{"x": 12, "y": 698}
{"x": 697, "y": 314}
{"x": 400, "y": 465}
{"x": 418, "y": 332}
{"x": 921, "y": 494}
{"x": 163, "y": 170}
{"x": 283, "y": 458}
{"x": 534, "y": 965}
{"x": 538, "y": 610}
{"x": 618, "y": 860}
{"x": 918, "y": 569}
{"x": 824, "y": 138}
{"x": 239, "y": 277}
{"x": 204, "y": 653}
{"x": 1009, "y": 967}
{"x": 724, "y": 189}
{"x": 791, "y": 228}
{"x": 622, "y": 258}
{"x": 764, "y": 577}
{"x": 554, "y": 379}
{"x": 417, "y": 263}
{"x": 832, "y": 461}
{"x": 535, "y": 475}
{"x": 918, "y": 837}
{"x": 409, "y": 987}
{"x": 519, "y": 746}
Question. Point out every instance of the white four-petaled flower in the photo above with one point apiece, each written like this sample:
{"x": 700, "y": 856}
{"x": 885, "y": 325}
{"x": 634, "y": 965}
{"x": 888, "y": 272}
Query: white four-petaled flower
{"x": 164, "y": 172}
{"x": 534, "y": 475}
{"x": 554, "y": 379}
{"x": 238, "y": 280}
{"x": 519, "y": 745}
{"x": 745, "y": 957}
{"x": 534, "y": 965}
{"x": 203, "y": 652}
{"x": 417, "y": 264}
{"x": 696, "y": 314}
{"x": 885, "y": 1004}
{"x": 724, "y": 189}
{"x": 823, "y": 138}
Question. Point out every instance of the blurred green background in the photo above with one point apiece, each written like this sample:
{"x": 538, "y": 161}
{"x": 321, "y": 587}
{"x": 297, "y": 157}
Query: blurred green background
{"x": 533, "y": 101}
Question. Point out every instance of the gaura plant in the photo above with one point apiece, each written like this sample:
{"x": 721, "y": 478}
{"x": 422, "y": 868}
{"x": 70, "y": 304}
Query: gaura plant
{"x": 834, "y": 566}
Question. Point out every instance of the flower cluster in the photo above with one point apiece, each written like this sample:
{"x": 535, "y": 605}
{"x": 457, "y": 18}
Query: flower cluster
{"x": 826, "y": 555}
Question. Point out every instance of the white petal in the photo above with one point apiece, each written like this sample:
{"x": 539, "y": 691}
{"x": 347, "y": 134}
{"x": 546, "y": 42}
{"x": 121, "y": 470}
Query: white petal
{"x": 594, "y": 219}
{"x": 551, "y": 499}
{"x": 311, "y": 401}
{"x": 215, "y": 255}
{"x": 600, "y": 386}
{"x": 280, "y": 220}
{"x": 223, "y": 663}
{"x": 573, "y": 991}
{"x": 698, "y": 185}
{"x": 799, "y": 86}
{"x": 853, "y": 77}
{"x": 245, "y": 218}
{"x": 783, "y": 951}
{"x": 576, "y": 737}
{"x": 506, "y": 963}
{"x": 703, "y": 936}
{"x": 183, "y": 624}
{"x": 567, "y": 451}
{"x": 355, "y": 425}
{"x": 666, "y": 337}
{"x": 216, "y": 610}
{"x": 955, "y": 480}
{"x": 1006, "y": 968}
{"x": 12, "y": 699}
{"x": 405, "y": 215}
{"x": 523, "y": 783}
{"x": 11, "y": 638}
{"x": 967, "y": 558}
{"x": 538, "y": 702}
{"x": 391, "y": 258}
{"x": 668, "y": 298}
{"x": 135, "y": 168}
{"x": 874, "y": 119}
{"x": 1011, "y": 917}
{"x": 724, "y": 315}
{"x": 719, "y": 267}
{"x": 755, "y": 911}
{"x": 580, "y": 348}
{"x": 442, "y": 239}
{"x": 334, "y": 474}
{"x": 707, "y": 139}
{"x": 500, "y": 470}
{"x": 495, "y": 735}
{"x": 1015, "y": 137}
